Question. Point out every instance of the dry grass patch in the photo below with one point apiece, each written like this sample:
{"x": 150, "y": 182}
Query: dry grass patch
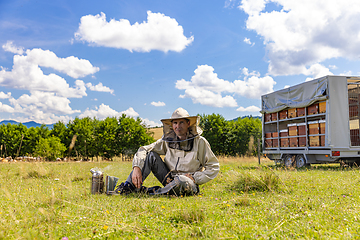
{"x": 158, "y": 132}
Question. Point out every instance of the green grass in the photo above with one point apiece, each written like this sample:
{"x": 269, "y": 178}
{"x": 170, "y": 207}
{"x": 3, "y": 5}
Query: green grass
{"x": 245, "y": 201}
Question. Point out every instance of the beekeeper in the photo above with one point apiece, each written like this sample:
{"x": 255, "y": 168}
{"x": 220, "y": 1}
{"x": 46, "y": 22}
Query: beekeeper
{"x": 188, "y": 159}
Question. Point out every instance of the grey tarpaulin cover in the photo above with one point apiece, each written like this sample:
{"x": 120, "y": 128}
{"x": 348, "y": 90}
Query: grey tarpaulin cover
{"x": 297, "y": 96}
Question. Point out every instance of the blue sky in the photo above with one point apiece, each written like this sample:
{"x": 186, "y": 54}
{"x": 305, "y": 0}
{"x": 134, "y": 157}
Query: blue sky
{"x": 62, "y": 59}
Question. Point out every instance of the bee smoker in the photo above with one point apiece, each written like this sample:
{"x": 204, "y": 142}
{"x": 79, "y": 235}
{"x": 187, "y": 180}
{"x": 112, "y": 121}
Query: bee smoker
{"x": 97, "y": 183}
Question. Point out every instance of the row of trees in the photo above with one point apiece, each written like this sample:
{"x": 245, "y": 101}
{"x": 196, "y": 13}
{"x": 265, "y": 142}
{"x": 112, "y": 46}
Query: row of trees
{"x": 237, "y": 137}
{"x": 80, "y": 138}
{"x": 88, "y": 138}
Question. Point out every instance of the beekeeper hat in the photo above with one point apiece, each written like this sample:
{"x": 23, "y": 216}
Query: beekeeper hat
{"x": 181, "y": 113}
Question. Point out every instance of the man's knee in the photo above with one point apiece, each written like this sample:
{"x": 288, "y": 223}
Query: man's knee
{"x": 153, "y": 157}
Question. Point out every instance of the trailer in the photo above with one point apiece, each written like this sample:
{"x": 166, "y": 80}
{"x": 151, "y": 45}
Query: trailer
{"x": 313, "y": 122}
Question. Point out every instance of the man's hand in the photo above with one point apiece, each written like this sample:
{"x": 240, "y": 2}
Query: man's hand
{"x": 137, "y": 177}
{"x": 189, "y": 176}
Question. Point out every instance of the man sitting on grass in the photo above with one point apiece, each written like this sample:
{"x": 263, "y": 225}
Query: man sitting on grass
{"x": 188, "y": 160}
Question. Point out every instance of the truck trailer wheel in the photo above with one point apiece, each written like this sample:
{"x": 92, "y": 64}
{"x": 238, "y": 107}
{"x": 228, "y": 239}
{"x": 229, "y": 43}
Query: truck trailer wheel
{"x": 300, "y": 161}
{"x": 289, "y": 161}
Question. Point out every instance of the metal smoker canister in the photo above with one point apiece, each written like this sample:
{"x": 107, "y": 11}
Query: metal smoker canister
{"x": 97, "y": 183}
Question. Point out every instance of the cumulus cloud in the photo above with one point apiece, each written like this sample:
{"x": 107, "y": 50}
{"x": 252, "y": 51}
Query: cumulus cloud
{"x": 44, "y": 101}
{"x": 104, "y": 111}
{"x": 48, "y": 98}
{"x": 130, "y": 112}
{"x": 317, "y": 70}
{"x": 101, "y": 112}
{"x": 6, "y": 108}
{"x": 10, "y": 47}
{"x": 206, "y": 88}
{"x": 99, "y": 88}
{"x": 253, "y": 109}
{"x": 158, "y": 104}
{"x": 5, "y": 95}
{"x": 149, "y": 123}
{"x": 159, "y": 32}
{"x": 27, "y": 74}
{"x": 304, "y": 33}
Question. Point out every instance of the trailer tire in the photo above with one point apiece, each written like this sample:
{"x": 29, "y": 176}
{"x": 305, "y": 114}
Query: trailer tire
{"x": 300, "y": 161}
{"x": 289, "y": 161}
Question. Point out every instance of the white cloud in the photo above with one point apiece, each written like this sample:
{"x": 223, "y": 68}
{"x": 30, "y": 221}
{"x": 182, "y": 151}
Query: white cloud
{"x": 254, "y": 109}
{"x": 48, "y": 100}
{"x": 6, "y": 108}
{"x": 159, "y": 32}
{"x": 206, "y": 88}
{"x": 101, "y": 112}
{"x": 348, "y": 73}
{"x": 317, "y": 70}
{"x": 158, "y": 104}
{"x": 130, "y": 112}
{"x": 150, "y": 123}
{"x": 71, "y": 66}
{"x": 26, "y": 73}
{"x": 99, "y": 88}
{"x": 43, "y": 101}
{"x": 5, "y": 95}
{"x": 104, "y": 111}
{"x": 304, "y": 33}
{"x": 248, "y": 41}
{"x": 10, "y": 47}
{"x": 209, "y": 98}
{"x": 252, "y": 7}
{"x": 41, "y": 107}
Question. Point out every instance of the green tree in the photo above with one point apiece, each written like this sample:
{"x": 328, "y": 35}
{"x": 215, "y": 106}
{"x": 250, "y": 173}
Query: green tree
{"x": 31, "y": 139}
{"x": 50, "y": 148}
{"x": 214, "y": 127}
{"x": 131, "y": 134}
{"x": 59, "y": 130}
{"x": 11, "y": 137}
{"x": 105, "y": 132}
{"x": 84, "y": 131}
{"x": 239, "y": 133}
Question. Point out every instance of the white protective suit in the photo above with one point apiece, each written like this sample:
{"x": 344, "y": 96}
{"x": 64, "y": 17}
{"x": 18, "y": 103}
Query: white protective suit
{"x": 191, "y": 156}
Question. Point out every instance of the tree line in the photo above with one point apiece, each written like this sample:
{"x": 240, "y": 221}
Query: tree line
{"x": 231, "y": 138}
{"x": 118, "y": 136}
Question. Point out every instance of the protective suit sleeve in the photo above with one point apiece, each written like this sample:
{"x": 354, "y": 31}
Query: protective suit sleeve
{"x": 139, "y": 158}
{"x": 209, "y": 162}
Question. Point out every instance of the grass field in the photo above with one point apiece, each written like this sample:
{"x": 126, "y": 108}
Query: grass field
{"x": 245, "y": 201}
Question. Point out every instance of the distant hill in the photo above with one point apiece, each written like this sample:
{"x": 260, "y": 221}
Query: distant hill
{"x": 27, "y": 124}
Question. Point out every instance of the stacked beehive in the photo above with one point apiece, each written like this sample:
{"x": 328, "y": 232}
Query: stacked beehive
{"x": 293, "y": 131}
{"x": 295, "y": 134}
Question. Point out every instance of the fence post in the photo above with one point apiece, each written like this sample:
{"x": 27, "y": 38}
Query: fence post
{"x": 259, "y": 150}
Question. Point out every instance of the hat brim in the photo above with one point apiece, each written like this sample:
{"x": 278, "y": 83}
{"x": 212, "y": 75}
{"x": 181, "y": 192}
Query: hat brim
{"x": 193, "y": 120}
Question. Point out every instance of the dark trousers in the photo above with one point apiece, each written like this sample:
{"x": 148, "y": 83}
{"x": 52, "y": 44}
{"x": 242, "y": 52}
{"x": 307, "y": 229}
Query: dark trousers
{"x": 154, "y": 164}
{"x": 182, "y": 184}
